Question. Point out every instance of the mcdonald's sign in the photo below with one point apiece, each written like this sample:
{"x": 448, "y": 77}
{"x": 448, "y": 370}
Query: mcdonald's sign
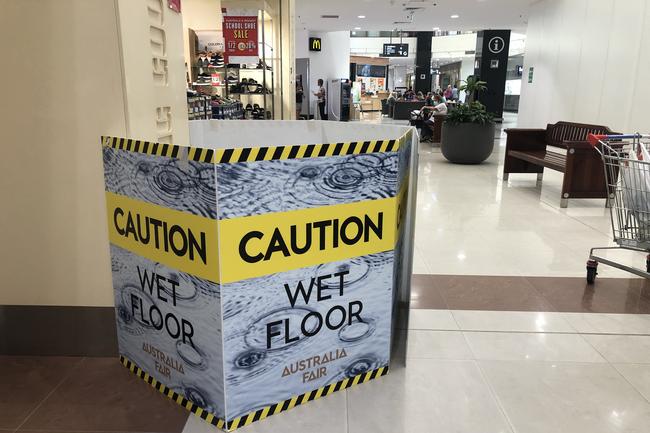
{"x": 314, "y": 44}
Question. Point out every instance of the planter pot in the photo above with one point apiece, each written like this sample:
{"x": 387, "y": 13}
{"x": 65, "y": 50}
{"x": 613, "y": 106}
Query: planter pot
{"x": 467, "y": 143}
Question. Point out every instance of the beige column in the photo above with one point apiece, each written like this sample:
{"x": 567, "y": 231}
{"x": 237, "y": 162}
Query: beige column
{"x": 153, "y": 69}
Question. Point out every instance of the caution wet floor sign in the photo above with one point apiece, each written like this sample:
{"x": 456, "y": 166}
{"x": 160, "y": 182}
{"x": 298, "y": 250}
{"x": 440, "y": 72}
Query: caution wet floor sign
{"x": 250, "y": 280}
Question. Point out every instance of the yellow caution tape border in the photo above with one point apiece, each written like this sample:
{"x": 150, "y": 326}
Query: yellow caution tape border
{"x": 259, "y": 414}
{"x": 254, "y": 154}
{"x": 145, "y": 147}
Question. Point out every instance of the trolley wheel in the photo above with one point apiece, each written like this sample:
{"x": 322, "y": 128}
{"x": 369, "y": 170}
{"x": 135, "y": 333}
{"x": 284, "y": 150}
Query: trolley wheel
{"x": 591, "y": 275}
{"x": 592, "y": 270}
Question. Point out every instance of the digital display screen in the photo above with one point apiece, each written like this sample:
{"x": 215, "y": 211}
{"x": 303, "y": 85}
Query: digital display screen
{"x": 396, "y": 50}
{"x": 371, "y": 71}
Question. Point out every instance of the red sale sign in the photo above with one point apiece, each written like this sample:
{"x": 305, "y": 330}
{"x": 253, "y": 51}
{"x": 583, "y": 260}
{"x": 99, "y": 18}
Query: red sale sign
{"x": 174, "y": 5}
{"x": 240, "y": 36}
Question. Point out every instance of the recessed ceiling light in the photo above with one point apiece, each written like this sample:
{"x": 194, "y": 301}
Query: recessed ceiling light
{"x": 435, "y": 29}
{"x": 454, "y": 16}
{"x": 357, "y": 28}
{"x": 361, "y": 16}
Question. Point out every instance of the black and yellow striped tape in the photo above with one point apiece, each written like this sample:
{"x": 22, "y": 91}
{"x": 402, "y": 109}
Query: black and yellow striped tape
{"x": 304, "y": 398}
{"x": 259, "y": 414}
{"x": 187, "y": 404}
{"x": 146, "y": 147}
{"x": 247, "y": 154}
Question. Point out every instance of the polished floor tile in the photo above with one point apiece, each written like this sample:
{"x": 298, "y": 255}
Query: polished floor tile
{"x": 544, "y": 397}
{"x": 424, "y": 293}
{"x": 441, "y": 320}
{"x": 505, "y": 346}
{"x": 325, "y": 415}
{"x": 516, "y": 293}
{"x": 437, "y": 345}
{"x": 26, "y": 381}
{"x": 103, "y": 395}
{"x": 622, "y": 348}
{"x": 428, "y": 396}
{"x": 638, "y": 375}
{"x": 467, "y": 292}
{"x": 514, "y": 321}
{"x": 607, "y": 295}
{"x": 594, "y": 323}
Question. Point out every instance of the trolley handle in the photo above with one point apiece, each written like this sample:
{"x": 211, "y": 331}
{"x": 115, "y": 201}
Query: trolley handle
{"x": 594, "y": 139}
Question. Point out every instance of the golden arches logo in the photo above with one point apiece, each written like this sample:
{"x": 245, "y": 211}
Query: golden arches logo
{"x": 314, "y": 44}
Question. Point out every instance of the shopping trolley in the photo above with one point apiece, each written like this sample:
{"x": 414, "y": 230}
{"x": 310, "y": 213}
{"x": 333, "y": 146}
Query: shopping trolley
{"x": 627, "y": 174}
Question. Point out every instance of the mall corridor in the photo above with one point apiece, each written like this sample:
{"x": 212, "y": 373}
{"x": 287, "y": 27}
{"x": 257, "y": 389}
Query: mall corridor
{"x": 280, "y": 216}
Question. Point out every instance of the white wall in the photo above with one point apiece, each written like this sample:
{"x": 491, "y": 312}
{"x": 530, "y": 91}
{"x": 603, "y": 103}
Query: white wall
{"x": 302, "y": 43}
{"x": 590, "y": 63}
{"x": 452, "y": 45}
{"x": 57, "y": 103}
{"x": 333, "y": 61}
{"x": 442, "y": 47}
{"x": 70, "y": 82}
{"x": 199, "y": 15}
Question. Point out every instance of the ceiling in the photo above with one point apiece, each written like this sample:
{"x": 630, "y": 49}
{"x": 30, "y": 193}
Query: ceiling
{"x": 418, "y": 15}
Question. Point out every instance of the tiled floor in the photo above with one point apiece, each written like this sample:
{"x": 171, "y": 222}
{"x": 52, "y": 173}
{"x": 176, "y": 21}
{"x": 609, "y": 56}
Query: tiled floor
{"x": 504, "y": 336}
{"x": 80, "y": 394}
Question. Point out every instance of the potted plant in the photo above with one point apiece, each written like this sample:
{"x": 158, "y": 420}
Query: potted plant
{"x": 472, "y": 86}
{"x": 468, "y": 130}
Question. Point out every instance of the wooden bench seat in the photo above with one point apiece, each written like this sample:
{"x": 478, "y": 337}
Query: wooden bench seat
{"x": 584, "y": 175}
{"x": 552, "y": 160}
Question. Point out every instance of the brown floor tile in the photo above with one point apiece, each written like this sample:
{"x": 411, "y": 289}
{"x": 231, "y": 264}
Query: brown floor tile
{"x": 25, "y": 381}
{"x": 104, "y": 396}
{"x": 607, "y": 295}
{"x": 467, "y": 292}
{"x": 57, "y": 331}
{"x": 425, "y": 293}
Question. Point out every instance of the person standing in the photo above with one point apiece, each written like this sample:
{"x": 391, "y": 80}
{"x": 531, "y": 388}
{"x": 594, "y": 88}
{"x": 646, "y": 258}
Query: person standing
{"x": 322, "y": 99}
{"x": 454, "y": 93}
{"x": 448, "y": 92}
{"x": 299, "y": 97}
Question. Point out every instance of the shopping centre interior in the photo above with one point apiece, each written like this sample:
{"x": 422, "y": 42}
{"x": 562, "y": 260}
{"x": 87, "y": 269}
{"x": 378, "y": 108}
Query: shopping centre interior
{"x": 486, "y": 134}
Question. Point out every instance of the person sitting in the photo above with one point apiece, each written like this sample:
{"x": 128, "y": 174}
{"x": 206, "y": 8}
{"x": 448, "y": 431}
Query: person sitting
{"x": 429, "y": 99}
{"x": 390, "y": 101}
{"x": 438, "y": 107}
{"x": 420, "y": 96}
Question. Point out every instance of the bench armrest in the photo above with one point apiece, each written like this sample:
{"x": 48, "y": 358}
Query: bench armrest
{"x": 525, "y": 139}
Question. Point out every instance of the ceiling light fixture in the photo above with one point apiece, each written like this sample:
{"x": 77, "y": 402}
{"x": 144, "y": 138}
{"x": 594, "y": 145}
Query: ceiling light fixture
{"x": 435, "y": 29}
{"x": 361, "y": 16}
{"x": 357, "y": 28}
{"x": 454, "y": 16}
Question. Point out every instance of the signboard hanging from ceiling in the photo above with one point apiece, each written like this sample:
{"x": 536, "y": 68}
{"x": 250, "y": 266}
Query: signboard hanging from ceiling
{"x": 314, "y": 44}
{"x": 395, "y": 50}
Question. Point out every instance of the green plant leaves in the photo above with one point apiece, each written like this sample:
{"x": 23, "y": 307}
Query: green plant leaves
{"x": 473, "y": 112}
